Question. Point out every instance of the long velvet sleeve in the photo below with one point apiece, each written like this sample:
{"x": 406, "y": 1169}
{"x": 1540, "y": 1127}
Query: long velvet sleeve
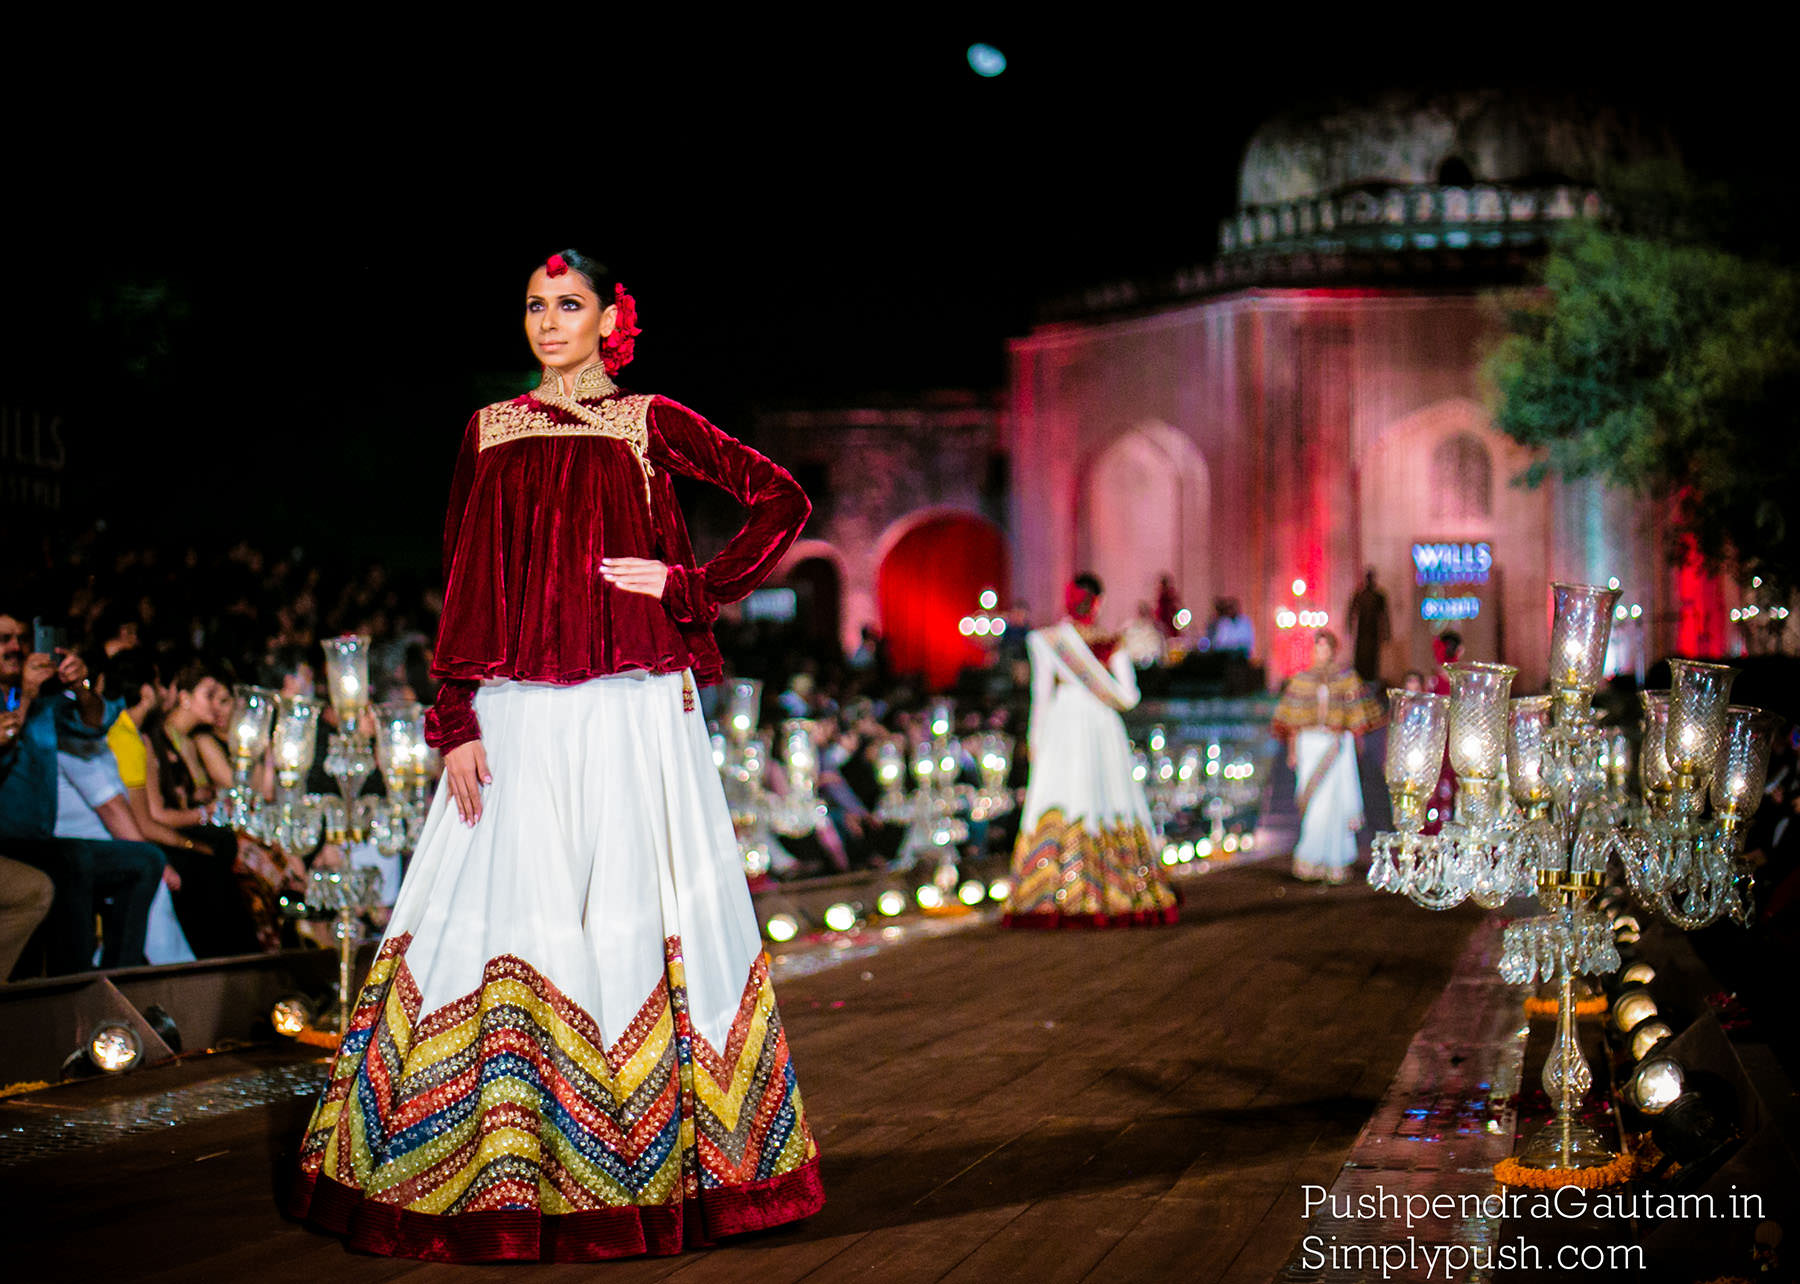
{"x": 461, "y": 481}
{"x": 683, "y": 442}
{"x": 451, "y": 720}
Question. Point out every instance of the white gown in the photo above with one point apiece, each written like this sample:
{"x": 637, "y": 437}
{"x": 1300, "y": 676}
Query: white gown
{"x": 1087, "y": 852}
{"x": 568, "y": 1047}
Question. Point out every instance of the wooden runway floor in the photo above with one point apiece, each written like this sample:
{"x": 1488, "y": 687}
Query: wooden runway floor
{"x": 990, "y": 1106}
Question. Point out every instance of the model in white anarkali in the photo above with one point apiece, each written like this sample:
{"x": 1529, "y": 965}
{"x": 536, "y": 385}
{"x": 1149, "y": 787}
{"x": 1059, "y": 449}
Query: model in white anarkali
{"x": 1087, "y": 853}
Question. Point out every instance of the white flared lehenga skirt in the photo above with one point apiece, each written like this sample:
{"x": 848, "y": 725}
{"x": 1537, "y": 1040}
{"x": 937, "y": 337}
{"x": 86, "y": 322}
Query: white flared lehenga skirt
{"x": 1329, "y": 796}
{"x": 568, "y": 1046}
{"x": 1086, "y": 854}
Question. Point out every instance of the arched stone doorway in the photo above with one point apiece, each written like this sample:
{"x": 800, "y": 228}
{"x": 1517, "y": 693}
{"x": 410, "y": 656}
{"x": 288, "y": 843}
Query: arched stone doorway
{"x": 1146, "y": 512}
{"x": 1453, "y": 545}
{"x": 818, "y": 585}
{"x": 933, "y": 567}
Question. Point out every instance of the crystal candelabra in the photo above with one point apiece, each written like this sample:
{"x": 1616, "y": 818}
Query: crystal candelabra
{"x": 342, "y": 895}
{"x": 742, "y": 754}
{"x": 349, "y": 752}
{"x": 1189, "y": 780}
{"x": 285, "y": 730}
{"x": 1566, "y": 820}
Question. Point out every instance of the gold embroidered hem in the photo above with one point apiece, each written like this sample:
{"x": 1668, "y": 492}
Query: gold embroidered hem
{"x": 1066, "y": 869}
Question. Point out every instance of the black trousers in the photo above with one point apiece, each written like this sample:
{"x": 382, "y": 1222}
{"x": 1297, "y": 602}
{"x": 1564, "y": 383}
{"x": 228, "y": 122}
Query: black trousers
{"x": 84, "y": 873}
{"x": 210, "y": 904}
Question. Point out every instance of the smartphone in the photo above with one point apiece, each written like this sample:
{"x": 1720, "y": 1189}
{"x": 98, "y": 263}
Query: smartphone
{"x": 12, "y": 699}
{"x": 47, "y": 637}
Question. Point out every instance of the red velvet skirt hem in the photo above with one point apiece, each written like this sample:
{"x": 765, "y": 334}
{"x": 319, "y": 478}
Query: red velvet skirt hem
{"x": 1136, "y": 918}
{"x": 504, "y": 1235}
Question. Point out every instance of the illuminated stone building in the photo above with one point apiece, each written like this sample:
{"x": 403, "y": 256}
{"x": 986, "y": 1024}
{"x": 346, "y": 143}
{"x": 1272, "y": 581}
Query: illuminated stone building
{"x": 907, "y": 525}
{"x": 1311, "y": 403}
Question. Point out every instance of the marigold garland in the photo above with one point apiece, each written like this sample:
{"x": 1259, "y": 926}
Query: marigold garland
{"x": 318, "y": 1038}
{"x": 1593, "y": 1005}
{"x": 1510, "y": 1172}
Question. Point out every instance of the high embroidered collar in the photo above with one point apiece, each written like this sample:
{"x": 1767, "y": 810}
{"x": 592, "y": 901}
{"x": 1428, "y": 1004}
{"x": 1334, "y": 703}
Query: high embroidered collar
{"x": 591, "y": 384}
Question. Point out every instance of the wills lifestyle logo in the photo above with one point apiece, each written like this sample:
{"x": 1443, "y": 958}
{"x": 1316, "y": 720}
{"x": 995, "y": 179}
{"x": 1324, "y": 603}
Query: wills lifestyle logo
{"x": 1452, "y": 563}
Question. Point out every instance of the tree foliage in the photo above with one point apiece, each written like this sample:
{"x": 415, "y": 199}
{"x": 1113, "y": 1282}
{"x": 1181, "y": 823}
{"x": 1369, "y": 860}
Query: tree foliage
{"x": 1663, "y": 355}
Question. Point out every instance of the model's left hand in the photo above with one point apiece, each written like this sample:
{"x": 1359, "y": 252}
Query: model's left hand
{"x": 635, "y": 574}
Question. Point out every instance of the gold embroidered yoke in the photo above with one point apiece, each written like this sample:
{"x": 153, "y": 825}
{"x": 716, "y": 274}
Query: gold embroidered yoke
{"x": 1338, "y": 703}
{"x": 551, "y": 413}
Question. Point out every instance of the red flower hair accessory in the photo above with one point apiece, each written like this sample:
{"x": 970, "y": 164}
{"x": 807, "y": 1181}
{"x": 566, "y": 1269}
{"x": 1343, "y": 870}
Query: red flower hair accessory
{"x": 555, "y": 265}
{"x": 1080, "y": 603}
{"x": 616, "y": 349}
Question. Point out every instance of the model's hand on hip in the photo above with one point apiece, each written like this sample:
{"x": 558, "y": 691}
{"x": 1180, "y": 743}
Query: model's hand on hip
{"x": 635, "y": 574}
{"x": 466, "y": 768}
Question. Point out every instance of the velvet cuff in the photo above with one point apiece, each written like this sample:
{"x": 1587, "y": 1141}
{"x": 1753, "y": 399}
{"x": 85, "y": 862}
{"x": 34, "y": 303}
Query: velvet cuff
{"x": 685, "y": 596}
{"x": 451, "y": 721}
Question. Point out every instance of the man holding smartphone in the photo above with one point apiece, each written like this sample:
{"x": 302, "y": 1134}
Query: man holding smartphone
{"x": 45, "y": 695}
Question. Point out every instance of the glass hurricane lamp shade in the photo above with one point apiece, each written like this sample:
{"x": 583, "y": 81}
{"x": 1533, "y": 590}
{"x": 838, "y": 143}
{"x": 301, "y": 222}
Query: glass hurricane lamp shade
{"x": 399, "y": 729}
{"x": 1527, "y": 730}
{"x": 1699, "y": 695}
{"x": 1477, "y": 740}
{"x": 890, "y": 764}
{"x": 1418, "y": 723}
{"x": 347, "y": 676}
{"x": 1581, "y": 628}
{"x": 1742, "y": 767}
{"x": 743, "y": 708}
{"x": 295, "y": 738}
{"x": 252, "y": 720}
{"x": 940, "y": 717}
{"x": 1478, "y": 695}
{"x": 925, "y": 763}
{"x": 802, "y": 755}
{"x": 1654, "y": 776}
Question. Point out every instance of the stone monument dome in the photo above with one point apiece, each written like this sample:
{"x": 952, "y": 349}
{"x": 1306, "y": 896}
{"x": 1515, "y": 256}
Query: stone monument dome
{"x": 1457, "y": 138}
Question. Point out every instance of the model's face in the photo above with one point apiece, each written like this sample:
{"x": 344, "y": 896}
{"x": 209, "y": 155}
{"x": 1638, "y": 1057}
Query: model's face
{"x": 12, "y": 649}
{"x": 1323, "y": 651}
{"x": 564, "y": 321}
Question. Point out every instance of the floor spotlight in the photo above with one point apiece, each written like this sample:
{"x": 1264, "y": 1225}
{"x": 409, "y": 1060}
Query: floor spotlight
{"x": 1697, "y": 1122}
{"x": 1633, "y": 1006}
{"x": 891, "y": 902}
{"x": 1656, "y": 1084}
{"x": 1647, "y": 1036}
{"x": 114, "y": 1048}
{"x": 840, "y": 917}
{"x": 291, "y": 1014}
{"x": 782, "y": 928}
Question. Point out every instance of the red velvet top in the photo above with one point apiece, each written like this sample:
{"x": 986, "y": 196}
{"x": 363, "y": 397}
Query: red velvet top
{"x": 546, "y": 486}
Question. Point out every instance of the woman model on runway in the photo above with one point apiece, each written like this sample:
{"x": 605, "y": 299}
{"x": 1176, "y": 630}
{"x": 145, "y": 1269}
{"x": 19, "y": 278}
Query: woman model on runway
{"x": 1086, "y": 854}
{"x": 568, "y": 1046}
{"x": 1324, "y": 712}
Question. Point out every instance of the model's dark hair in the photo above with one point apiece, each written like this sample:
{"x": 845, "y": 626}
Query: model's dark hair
{"x": 599, "y": 277}
{"x": 1452, "y": 641}
{"x": 1329, "y": 638}
{"x": 1089, "y": 583}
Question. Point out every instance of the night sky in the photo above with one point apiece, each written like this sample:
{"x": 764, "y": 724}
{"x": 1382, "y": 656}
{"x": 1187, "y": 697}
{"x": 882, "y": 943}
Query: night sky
{"x": 247, "y": 264}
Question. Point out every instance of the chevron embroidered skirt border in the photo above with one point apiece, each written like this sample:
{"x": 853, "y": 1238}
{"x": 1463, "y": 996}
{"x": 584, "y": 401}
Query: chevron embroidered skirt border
{"x": 530, "y": 1073}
